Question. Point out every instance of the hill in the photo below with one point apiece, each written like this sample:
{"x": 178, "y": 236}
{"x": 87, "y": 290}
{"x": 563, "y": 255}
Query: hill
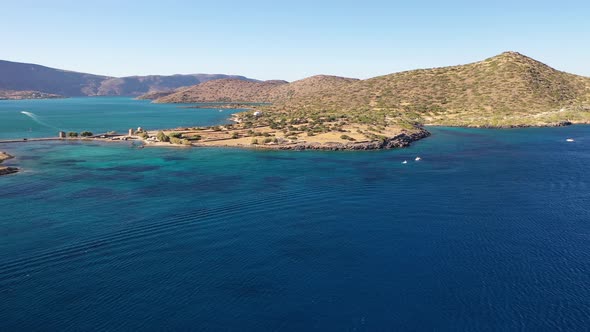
{"x": 16, "y": 76}
{"x": 24, "y": 76}
{"x": 256, "y": 92}
{"x": 224, "y": 90}
{"x": 506, "y": 90}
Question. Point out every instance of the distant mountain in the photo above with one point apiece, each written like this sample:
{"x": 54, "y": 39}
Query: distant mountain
{"x": 16, "y": 76}
{"x": 23, "y": 76}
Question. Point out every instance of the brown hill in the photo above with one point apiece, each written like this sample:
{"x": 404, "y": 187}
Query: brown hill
{"x": 506, "y": 89}
{"x": 225, "y": 90}
{"x": 256, "y": 92}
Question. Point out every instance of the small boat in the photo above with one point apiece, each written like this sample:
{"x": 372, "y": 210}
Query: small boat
{"x": 418, "y": 159}
{"x": 404, "y": 162}
{"x": 570, "y": 140}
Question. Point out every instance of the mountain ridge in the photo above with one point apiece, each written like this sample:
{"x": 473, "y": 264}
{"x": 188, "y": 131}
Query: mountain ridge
{"x": 18, "y": 76}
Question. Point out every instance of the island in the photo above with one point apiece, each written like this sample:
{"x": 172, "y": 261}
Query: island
{"x": 326, "y": 112}
{"x": 504, "y": 91}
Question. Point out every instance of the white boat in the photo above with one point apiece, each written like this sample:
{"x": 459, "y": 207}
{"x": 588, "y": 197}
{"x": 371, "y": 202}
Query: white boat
{"x": 404, "y": 162}
{"x": 570, "y": 140}
{"x": 418, "y": 159}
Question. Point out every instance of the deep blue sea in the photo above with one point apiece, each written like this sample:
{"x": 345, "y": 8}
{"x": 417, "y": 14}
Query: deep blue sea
{"x": 489, "y": 231}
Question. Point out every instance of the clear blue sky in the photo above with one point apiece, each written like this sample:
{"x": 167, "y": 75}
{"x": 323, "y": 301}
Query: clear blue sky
{"x": 289, "y": 39}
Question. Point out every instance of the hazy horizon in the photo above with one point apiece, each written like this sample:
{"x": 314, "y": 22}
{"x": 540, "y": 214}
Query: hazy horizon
{"x": 265, "y": 40}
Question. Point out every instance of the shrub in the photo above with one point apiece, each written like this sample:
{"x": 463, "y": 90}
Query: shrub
{"x": 144, "y": 135}
{"x": 175, "y": 140}
{"x": 162, "y": 137}
{"x": 267, "y": 140}
{"x": 175, "y": 135}
{"x": 195, "y": 137}
{"x": 254, "y": 141}
{"x": 346, "y": 137}
{"x": 86, "y": 134}
{"x": 235, "y": 135}
{"x": 72, "y": 134}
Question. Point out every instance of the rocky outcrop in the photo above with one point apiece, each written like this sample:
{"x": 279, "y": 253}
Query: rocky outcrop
{"x": 399, "y": 141}
{"x": 5, "y": 170}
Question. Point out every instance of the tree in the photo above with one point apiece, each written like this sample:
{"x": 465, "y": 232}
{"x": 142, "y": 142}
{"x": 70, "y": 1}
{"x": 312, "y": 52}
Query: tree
{"x": 72, "y": 134}
{"x": 162, "y": 137}
{"x": 86, "y": 134}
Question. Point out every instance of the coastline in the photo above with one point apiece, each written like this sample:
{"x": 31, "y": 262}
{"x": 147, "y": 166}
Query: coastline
{"x": 401, "y": 140}
{"x": 5, "y": 170}
{"x": 514, "y": 126}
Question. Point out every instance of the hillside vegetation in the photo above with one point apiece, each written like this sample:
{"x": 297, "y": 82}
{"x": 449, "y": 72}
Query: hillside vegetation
{"x": 255, "y": 92}
{"x": 224, "y": 90}
{"x": 506, "y": 90}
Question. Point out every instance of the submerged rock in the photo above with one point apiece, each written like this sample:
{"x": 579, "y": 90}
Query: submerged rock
{"x": 8, "y": 170}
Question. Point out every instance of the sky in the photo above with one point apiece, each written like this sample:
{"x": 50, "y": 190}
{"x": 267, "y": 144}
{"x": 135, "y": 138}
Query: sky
{"x": 289, "y": 39}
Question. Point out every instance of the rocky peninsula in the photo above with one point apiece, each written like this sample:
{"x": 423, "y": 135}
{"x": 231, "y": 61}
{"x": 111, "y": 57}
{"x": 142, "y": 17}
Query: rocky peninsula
{"x": 5, "y": 170}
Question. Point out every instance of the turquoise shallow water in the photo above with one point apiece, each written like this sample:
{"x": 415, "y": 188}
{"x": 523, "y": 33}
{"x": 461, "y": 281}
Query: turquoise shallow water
{"x": 489, "y": 231}
{"x": 98, "y": 115}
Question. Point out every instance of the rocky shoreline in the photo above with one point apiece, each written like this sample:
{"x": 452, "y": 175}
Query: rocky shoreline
{"x": 399, "y": 141}
{"x": 537, "y": 125}
{"x": 5, "y": 170}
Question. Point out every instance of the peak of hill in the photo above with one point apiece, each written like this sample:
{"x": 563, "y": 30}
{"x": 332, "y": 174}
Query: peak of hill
{"x": 15, "y": 76}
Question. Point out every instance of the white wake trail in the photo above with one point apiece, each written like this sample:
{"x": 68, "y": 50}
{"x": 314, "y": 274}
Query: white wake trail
{"x": 35, "y": 118}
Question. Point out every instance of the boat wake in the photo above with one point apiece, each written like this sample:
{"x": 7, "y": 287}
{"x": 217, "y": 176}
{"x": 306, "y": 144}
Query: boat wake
{"x": 35, "y": 118}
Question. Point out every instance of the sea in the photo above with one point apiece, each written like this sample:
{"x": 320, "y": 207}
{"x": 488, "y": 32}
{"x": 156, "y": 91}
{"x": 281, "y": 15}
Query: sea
{"x": 488, "y": 231}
